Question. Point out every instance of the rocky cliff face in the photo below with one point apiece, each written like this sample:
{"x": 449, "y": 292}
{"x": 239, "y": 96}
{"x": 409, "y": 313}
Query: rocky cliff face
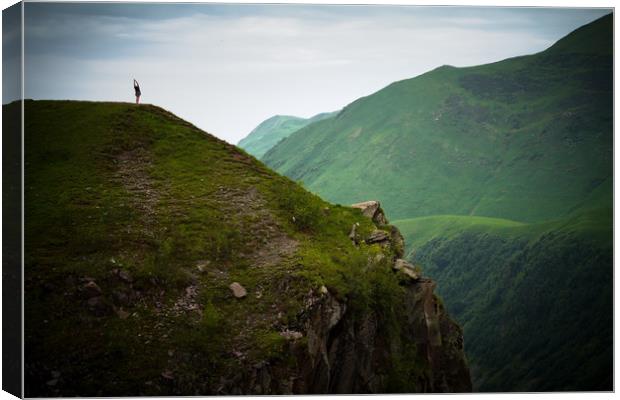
{"x": 344, "y": 351}
{"x": 349, "y": 354}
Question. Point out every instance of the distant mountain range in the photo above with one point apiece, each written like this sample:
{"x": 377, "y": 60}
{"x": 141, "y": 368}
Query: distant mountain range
{"x": 500, "y": 177}
{"x": 270, "y": 132}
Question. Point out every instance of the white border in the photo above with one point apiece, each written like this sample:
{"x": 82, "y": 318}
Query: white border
{"x": 487, "y": 3}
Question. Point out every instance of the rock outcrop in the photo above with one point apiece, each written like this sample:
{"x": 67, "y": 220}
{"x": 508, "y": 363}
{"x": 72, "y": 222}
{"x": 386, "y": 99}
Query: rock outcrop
{"x": 372, "y": 209}
{"x": 355, "y": 354}
{"x": 406, "y": 268}
{"x": 378, "y": 236}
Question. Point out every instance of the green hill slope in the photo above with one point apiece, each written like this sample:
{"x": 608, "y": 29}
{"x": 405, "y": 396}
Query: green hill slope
{"x": 423, "y": 229}
{"x": 269, "y": 132}
{"x": 500, "y": 177}
{"x": 526, "y": 139}
{"x": 535, "y": 300}
{"x": 160, "y": 260}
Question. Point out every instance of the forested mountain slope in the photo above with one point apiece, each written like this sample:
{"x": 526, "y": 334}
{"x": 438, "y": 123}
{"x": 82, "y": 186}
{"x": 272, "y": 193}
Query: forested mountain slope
{"x": 535, "y": 300}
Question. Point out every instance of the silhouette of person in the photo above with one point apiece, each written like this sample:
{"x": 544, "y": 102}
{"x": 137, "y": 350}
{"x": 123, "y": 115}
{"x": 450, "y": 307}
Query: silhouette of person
{"x": 136, "y": 87}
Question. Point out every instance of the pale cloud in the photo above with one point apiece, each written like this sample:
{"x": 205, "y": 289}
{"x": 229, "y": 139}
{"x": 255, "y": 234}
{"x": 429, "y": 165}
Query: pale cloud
{"x": 227, "y": 72}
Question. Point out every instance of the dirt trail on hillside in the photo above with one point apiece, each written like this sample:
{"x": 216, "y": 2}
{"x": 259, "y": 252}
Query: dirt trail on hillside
{"x": 133, "y": 175}
{"x": 269, "y": 241}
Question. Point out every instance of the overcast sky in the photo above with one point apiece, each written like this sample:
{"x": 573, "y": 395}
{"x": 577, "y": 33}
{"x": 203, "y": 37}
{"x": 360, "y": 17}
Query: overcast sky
{"x": 226, "y": 68}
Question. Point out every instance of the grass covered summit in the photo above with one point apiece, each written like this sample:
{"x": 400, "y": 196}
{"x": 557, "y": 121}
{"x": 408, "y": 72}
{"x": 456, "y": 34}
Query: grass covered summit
{"x": 163, "y": 261}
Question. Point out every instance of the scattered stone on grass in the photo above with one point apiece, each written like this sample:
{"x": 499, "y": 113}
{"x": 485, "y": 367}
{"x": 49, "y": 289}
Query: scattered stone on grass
{"x": 291, "y": 335}
{"x": 238, "y": 290}
{"x": 167, "y": 374}
{"x": 91, "y": 289}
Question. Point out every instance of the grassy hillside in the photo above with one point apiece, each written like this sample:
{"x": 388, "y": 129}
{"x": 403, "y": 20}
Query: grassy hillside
{"x": 269, "y": 132}
{"x": 595, "y": 223}
{"x": 137, "y": 223}
{"x": 535, "y": 300}
{"x": 423, "y": 229}
{"x": 525, "y": 139}
{"x": 500, "y": 177}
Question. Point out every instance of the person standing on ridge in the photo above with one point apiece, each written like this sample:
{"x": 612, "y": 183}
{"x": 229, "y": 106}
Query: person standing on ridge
{"x": 136, "y": 87}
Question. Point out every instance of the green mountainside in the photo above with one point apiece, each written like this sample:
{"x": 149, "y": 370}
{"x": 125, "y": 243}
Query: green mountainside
{"x": 500, "y": 177}
{"x": 535, "y": 301}
{"x": 160, "y": 260}
{"x": 526, "y": 139}
{"x": 269, "y": 132}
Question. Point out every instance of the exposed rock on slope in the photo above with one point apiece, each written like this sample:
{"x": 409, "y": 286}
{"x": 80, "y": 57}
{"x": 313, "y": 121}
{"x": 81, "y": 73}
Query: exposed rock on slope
{"x": 372, "y": 209}
{"x": 353, "y": 355}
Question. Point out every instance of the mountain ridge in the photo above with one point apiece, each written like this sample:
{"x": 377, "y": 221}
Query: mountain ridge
{"x": 269, "y": 132}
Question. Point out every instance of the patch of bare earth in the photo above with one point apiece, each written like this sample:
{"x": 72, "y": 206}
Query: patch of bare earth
{"x": 266, "y": 239}
{"x": 133, "y": 175}
{"x": 267, "y": 245}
